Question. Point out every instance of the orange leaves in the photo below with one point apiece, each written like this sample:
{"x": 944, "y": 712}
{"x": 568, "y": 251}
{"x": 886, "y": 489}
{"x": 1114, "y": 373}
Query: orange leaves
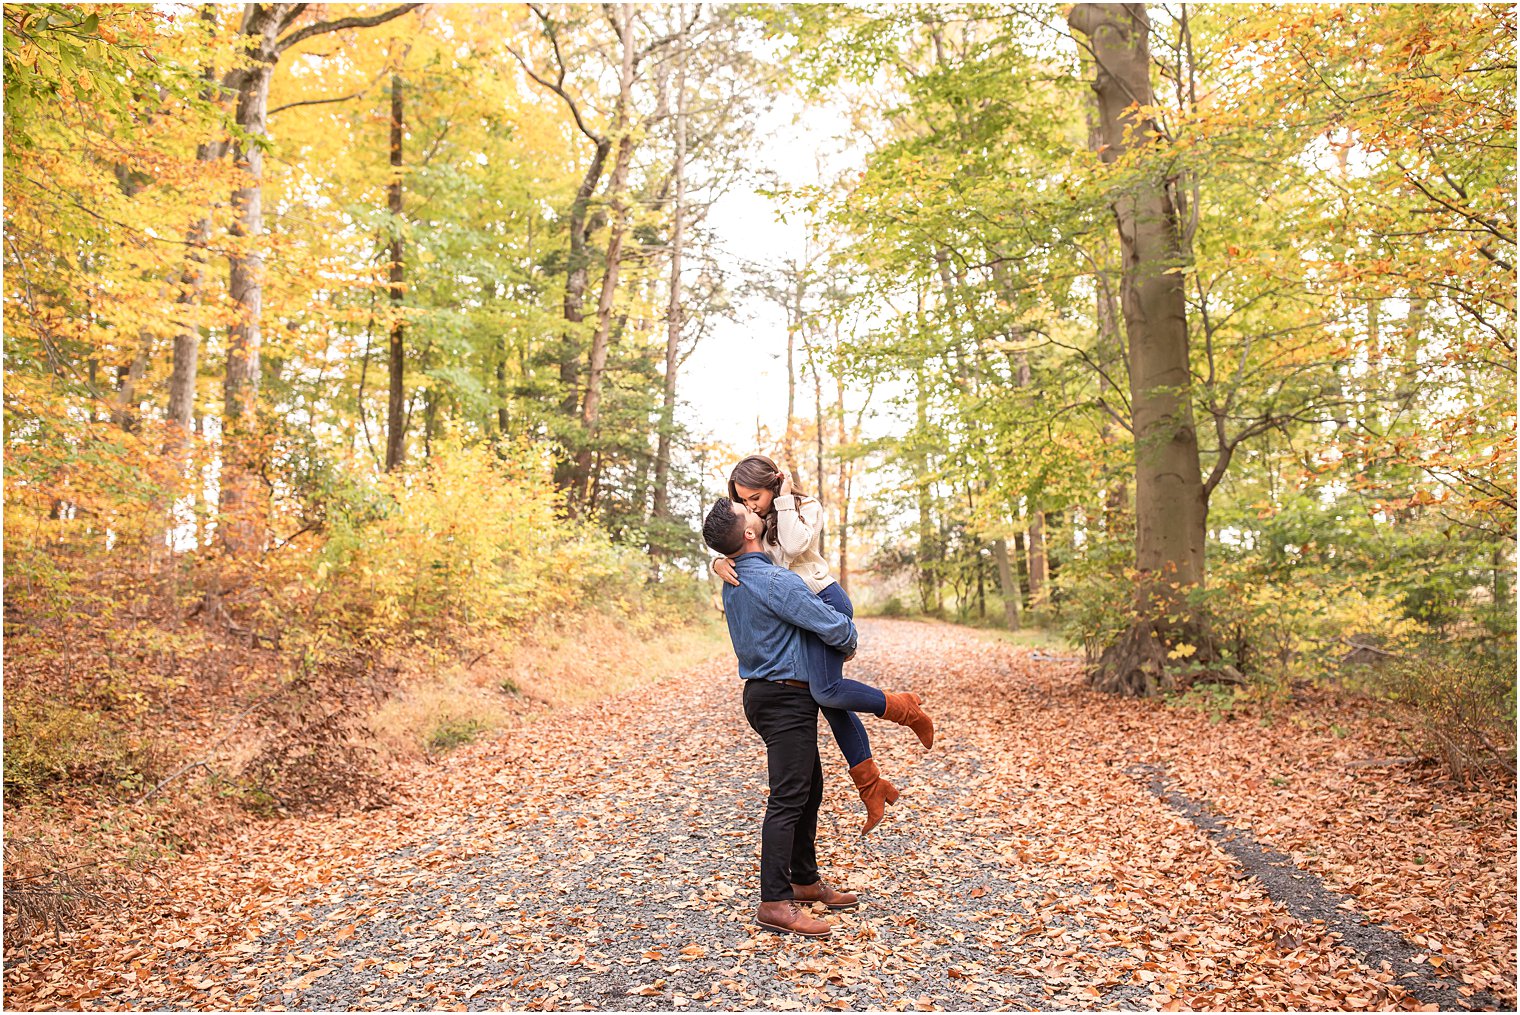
{"x": 1022, "y": 868}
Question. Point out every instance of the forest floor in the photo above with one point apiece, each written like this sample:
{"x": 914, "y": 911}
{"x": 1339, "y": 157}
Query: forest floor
{"x": 1057, "y": 849}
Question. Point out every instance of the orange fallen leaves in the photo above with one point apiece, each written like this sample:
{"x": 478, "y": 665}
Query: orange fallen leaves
{"x": 1088, "y": 892}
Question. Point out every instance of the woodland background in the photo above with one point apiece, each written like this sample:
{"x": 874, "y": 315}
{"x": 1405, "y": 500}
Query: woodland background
{"x": 344, "y": 347}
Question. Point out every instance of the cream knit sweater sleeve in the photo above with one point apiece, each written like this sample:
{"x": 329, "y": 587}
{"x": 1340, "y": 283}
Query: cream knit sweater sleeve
{"x": 798, "y": 522}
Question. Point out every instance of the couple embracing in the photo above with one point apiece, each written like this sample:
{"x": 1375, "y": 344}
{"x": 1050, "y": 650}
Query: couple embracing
{"x": 792, "y": 630}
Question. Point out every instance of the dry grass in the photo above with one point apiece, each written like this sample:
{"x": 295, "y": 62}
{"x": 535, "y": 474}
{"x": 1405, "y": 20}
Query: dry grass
{"x": 558, "y": 665}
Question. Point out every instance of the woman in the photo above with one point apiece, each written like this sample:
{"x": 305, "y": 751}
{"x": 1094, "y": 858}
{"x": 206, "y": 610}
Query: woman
{"x": 793, "y": 523}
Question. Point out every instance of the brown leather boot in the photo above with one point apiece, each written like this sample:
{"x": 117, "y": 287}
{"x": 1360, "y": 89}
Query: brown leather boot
{"x": 875, "y": 792}
{"x": 902, "y": 708}
{"x": 820, "y": 892}
{"x": 788, "y": 918}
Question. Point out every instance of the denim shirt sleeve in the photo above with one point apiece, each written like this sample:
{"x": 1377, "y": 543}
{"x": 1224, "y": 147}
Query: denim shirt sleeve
{"x": 791, "y": 600}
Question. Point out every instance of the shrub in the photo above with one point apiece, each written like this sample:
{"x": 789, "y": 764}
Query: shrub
{"x": 473, "y": 537}
{"x": 1271, "y": 628}
{"x": 49, "y": 743}
{"x": 1463, "y": 695}
{"x": 450, "y": 733}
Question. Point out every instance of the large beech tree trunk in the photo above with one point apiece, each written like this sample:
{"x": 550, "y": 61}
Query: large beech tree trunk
{"x": 1169, "y": 495}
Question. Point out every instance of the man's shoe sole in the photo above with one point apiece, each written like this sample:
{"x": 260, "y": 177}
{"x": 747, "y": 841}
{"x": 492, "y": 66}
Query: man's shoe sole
{"x": 789, "y": 930}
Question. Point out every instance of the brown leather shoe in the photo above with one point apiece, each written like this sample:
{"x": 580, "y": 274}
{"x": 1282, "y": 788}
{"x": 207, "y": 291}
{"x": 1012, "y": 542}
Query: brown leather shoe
{"x": 902, "y": 708}
{"x": 820, "y": 892}
{"x": 788, "y": 918}
{"x": 875, "y": 792}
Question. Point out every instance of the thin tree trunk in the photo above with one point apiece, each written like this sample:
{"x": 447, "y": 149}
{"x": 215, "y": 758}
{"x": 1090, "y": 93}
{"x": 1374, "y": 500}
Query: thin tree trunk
{"x": 618, "y": 200}
{"x": 1038, "y": 569}
{"x": 395, "y": 417}
{"x": 1008, "y": 586}
{"x": 124, "y": 400}
{"x": 187, "y": 338}
{"x": 674, "y": 311}
{"x": 793, "y": 328}
{"x": 818, "y": 448}
{"x": 242, "y": 521}
{"x": 844, "y": 485}
{"x": 502, "y": 418}
{"x": 192, "y": 283}
{"x": 1039, "y": 564}
{"x": 928, "y": 573}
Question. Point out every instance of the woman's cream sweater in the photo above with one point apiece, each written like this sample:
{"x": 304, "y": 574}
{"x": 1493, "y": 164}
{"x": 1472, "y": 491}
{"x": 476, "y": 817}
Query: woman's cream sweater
{"x": 799, "y": 521}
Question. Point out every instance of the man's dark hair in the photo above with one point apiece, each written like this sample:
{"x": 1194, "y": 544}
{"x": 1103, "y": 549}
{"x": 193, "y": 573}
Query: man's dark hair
{"x": 723, "y": 529}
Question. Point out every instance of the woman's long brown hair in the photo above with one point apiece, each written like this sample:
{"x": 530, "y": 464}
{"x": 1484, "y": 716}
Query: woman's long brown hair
{"x": 759, "y": 473}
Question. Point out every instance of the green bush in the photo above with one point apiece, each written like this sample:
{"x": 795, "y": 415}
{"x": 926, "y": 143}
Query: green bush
{"x": 450, "y": 733}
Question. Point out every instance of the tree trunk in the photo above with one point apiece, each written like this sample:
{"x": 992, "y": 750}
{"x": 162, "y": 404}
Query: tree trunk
{"x": 577, "y": 278}
{"x": 819, "y": 490}
{"x": 1008, "y": 586}
{"x": 618, "y": 201}
{"x": 187, "y": 338}
{"x": 1038, "y": 570}
{"x": 395, "y": 417}
{"x": 674, "y": 311}
{"x": 1110, "y": 344}
{"x": 1170, "y": 510}
{"x": 928, "y": 574}
{"x": 1039, "y": 564}
{"x": 242, "y": 510}
{"x": 242, "y": 524}
{"x": 793, "y": 327}
{"x": 192, "y": 282}
{"x": 502, "y": 416}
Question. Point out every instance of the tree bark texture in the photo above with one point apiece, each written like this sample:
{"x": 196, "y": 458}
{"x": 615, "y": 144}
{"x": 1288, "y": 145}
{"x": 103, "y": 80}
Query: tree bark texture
{"x": 395, "y": 417}
{"x": 674, "y": 311}
{"x": 1008, "y": 586}
{"x": 617, "y": 186}
{"x": 1170, "y": 504}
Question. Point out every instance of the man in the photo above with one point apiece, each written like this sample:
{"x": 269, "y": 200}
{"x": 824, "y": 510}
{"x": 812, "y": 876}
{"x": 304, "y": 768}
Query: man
{"x": 770, "y": 614}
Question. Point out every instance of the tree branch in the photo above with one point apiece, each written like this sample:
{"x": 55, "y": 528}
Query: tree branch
{"x": 324, "y": 27}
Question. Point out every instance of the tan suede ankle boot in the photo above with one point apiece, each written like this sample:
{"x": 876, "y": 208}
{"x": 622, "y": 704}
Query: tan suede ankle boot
{"x": 903, "y": 709}
{"x": 875, "y": 792}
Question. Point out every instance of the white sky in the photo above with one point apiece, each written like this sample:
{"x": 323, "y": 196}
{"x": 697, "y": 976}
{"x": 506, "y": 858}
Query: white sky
{"x": 737, "y": 375}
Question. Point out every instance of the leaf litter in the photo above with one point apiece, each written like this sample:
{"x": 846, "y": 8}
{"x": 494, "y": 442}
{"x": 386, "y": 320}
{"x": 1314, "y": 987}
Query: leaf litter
{"x": 607, "y": 858}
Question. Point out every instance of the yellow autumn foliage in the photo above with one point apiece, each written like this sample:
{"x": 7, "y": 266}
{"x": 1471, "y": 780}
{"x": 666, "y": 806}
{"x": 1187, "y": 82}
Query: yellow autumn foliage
{"x": 472, "y": 539}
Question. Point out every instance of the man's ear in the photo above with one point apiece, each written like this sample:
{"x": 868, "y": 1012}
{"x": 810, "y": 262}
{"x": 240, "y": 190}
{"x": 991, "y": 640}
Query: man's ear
{"x": 751, "y": 531}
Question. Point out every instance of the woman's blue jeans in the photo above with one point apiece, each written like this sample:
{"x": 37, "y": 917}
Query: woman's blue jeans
{"x": 840, "y": 698}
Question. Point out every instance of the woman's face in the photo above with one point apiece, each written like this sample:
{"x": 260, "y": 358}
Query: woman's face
{"x": 757, "y": 500}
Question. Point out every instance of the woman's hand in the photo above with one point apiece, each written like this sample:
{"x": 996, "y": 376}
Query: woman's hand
{"x": 724, "y": 568}
{"x": 786, "y": 483}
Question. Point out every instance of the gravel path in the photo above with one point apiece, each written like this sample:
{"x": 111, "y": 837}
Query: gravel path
{"x": 607, "y": 858}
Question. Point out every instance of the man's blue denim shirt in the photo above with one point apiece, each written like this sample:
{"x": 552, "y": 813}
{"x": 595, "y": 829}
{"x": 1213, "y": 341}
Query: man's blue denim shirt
{"x": 768, "y": 613}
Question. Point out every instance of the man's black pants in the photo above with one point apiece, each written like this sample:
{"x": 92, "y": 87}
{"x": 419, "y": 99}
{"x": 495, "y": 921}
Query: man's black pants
{"x": 786, "y": 718}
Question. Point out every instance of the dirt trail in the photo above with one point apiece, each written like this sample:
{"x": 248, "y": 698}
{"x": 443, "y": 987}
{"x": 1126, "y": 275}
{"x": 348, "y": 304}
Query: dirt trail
{"x": 607, "y": 858}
